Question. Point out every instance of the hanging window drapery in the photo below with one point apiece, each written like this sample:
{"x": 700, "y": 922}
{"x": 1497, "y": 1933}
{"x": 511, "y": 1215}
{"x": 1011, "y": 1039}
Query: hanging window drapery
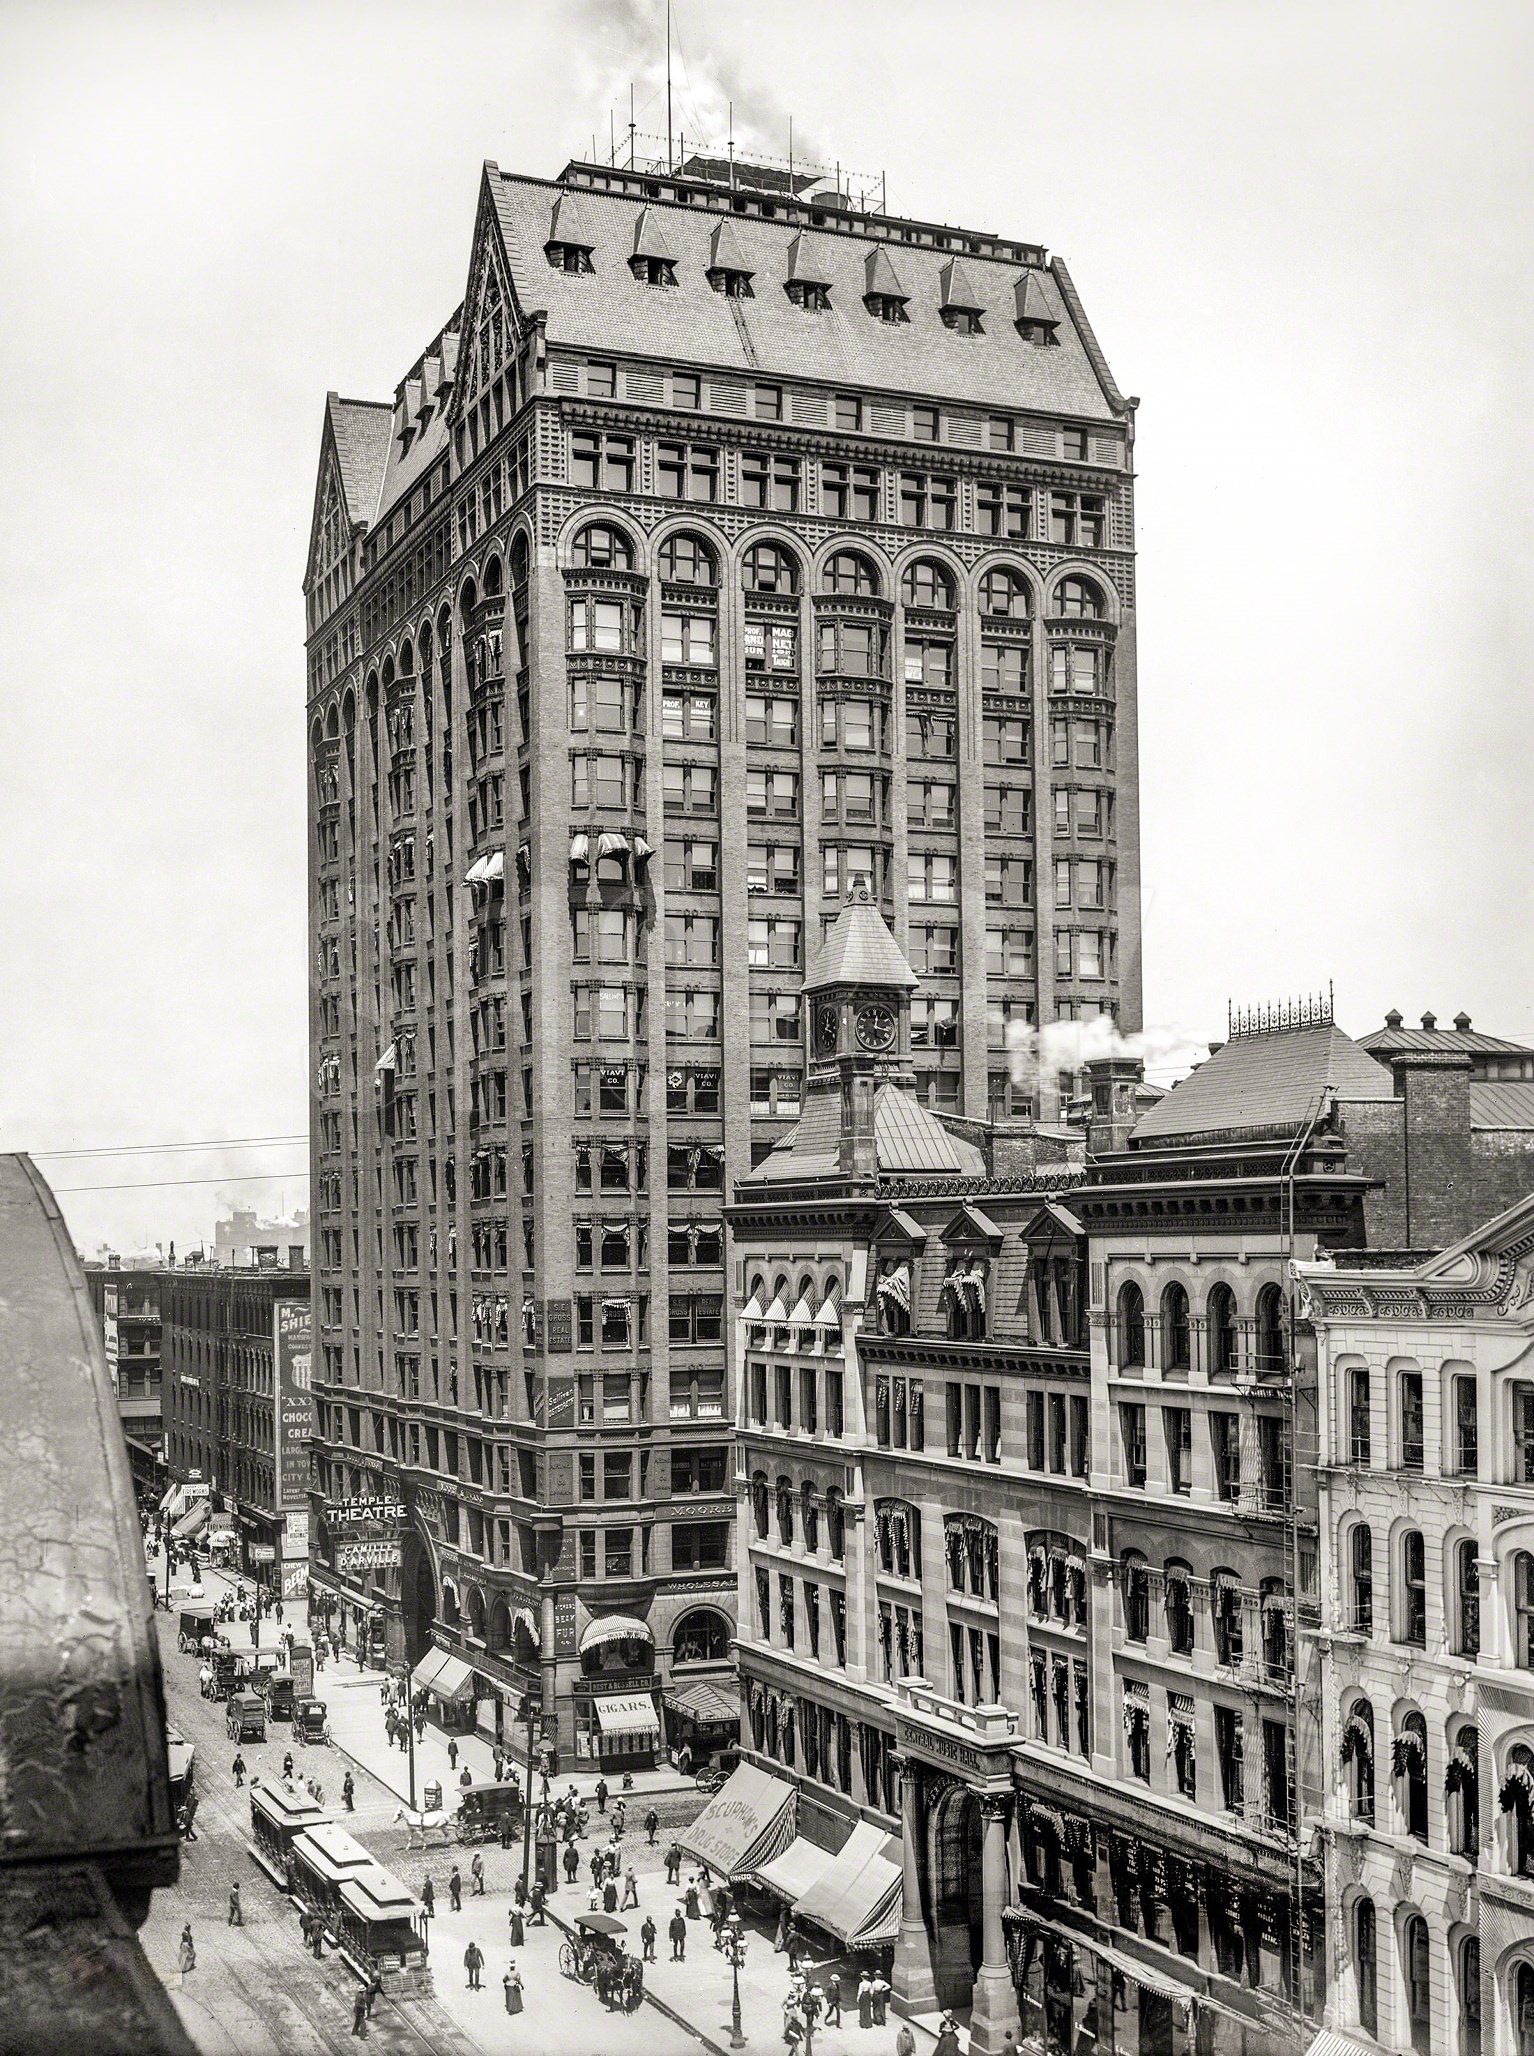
{"x": 1357, "y": 1736}
{"x": 896, "y": 1287}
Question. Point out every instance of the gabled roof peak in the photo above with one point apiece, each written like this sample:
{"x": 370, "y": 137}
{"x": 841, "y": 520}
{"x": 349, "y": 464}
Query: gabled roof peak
{"x": 726, "y": 252}
{"x": 883, "y": 281}
{"x": 859, "y": 949}
{"x": 650, "y": 237}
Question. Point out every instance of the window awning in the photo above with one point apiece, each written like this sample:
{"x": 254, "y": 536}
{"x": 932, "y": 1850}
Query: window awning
{"x": 610, "y": 843}
{"x": 193, "y": 1521}
{"x": 1128, "y": 1966}
{"x": 452, "y": 1679}
{"x": 803, "y": 1315}
{"x": 614, "y": 1627}
{"x": 790, "y": 1875}
{"x": 704, "y": 1704}
{"x": 427, "y": 1668}
{"x": 855, "y": 1890}
{"x": 753, "y": 1308}
{"x": 777, "y": 1312}
{"x": 749, "y": 1820}
{"x": 386, "y": 1061}
{"x": 830, "y": 1314}
{"x": 522, "y": 1617}
{"x": 628, "y": 1713}
{"x": 642, "y": 850}
{"x": 475, "y": 875}
{"x": 579, "y": 845}
{"x": 495, "y": 867}
{"x": 896, "y": 1286}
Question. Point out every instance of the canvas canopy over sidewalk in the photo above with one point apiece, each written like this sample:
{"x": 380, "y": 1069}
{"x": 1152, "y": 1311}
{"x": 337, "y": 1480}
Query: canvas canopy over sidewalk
{"x": 444, "y": 1675}
{"x": 856, "y": 1897}
{"x": 748, "y": 1822}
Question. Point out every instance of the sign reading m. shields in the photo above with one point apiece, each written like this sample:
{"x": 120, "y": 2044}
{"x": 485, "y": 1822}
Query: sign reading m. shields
{"x": 295, "y": 1405}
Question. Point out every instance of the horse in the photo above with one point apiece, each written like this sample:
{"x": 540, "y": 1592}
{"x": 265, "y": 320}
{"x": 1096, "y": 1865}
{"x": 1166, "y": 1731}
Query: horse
{"x": 420, "y": 1827}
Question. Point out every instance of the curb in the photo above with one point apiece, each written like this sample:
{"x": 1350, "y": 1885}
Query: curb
{"x": 651, "y": 1999}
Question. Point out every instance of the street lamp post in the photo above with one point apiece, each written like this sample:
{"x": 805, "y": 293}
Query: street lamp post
{"x": 735, "y": 1949}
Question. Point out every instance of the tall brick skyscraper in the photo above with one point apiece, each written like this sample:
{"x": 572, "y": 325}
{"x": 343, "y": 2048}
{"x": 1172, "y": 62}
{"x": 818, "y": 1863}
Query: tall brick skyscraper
{"x": 728, "y": 546}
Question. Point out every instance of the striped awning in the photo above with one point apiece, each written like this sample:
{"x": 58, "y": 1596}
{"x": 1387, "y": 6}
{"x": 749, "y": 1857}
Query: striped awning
{"x": 705, "y": 1704}
{"x": 614, "y": 1627}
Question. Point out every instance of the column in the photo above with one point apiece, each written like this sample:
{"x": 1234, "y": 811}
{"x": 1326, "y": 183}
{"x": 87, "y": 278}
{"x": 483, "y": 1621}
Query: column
{"x": 548, "y": 1669}
{"x": 995, "y": 2000}
{"x": 914, "y": 1984}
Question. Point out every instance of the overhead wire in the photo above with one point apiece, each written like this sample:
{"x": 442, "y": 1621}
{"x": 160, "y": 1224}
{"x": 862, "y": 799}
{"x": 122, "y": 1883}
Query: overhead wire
{"x": 169, "y": 1148}
{"x": 158, "y": 1184}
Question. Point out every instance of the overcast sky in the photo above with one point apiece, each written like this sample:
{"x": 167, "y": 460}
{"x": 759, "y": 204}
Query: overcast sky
{"x": 1303, "y": 234}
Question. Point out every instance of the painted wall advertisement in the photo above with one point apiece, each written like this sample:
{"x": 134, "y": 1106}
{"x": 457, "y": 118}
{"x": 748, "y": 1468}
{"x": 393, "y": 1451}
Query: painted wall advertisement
{"x": 295, "y": 1409}
{"x": 109, "y": 1330}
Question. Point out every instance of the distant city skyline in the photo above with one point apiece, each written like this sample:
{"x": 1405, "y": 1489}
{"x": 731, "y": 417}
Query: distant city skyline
{"x": 1334, "y": 612}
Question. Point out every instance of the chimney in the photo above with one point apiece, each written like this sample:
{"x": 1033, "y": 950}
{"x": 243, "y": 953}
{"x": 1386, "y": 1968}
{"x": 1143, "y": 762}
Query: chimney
{"x": 1114, "y": 1084}
{"x": 1462, "y": 1022}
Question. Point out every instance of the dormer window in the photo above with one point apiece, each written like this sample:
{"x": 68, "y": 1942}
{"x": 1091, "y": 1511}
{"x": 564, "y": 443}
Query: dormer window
{"x": 887, "y": 307}
{"x": 735, "y": 285}
{"x": 1040, "y": 332}
{"x": 1036, "y": 320}
{"x": 964, "y": 321}
{"x": 814, "y": 298}
{"x": 654, "y": 271}
{"x": 569, "y": 257}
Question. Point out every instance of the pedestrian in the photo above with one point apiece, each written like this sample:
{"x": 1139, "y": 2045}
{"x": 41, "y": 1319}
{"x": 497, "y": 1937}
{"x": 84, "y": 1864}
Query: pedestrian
{"x": 511, "y": 1984}
{"x": 793, "y": 2029}
{"x": 189, "y": 1813}
{"x": 287, "y": 1767}
{"x": 594, "y": 1899}
{"x": 601, "y": 1790}
{"x": 420, "y": 1725}
{"x": 516, "y": 1929}
{"x": 455, "y": 1890}
{"x": 474, "y": 1963}
{"x": 429, "y": 1897}
{"x": 694, "y": 1911}
{"x": 678, "y": 1933}
{"x": 238, "y": 1767}
{"x": 500, "y": 1766}
{"x": 947, "y": 2043}
{"x": 519, "y": 1890}
{"x": 833, "y": 1990}
{"x": 572, "y": 1863}
{"x": 630, "y": 1890}
{"x": 452, "y": 1752}
{"x": 186, "y": 1953}
{"x": 506, "y": 1828}
{"x": 317, "y": 1938}
{"x": 880, "y": 1996}
{"x": 905, "y": 2041}
{"x": 465, "y": 1778}
{"x": 780, "y": 1934}
{"x": 477, "y": 1876}
{"x": 236, "y": 1917}
{"x": 349, "y": 1792}
{"x": 598, "y": 1863}
{"x": 609, "y": 1897}
{"x": 674, "y": 1864}
{"x": 360, "y": 2012}
{"x": 620, "y": 1818}
{"x": 651, "y": 1826}
{"x": 647, "y": 1937}
{"x": 375, "y": 1989}
{"x": 865, "y": 2001}
{"x": 539, "y": 1915}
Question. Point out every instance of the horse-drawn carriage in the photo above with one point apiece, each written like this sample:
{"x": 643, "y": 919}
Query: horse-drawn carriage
{"x": 595, "y": 1955}
{"x": 483, "y": 1808}
{"x": 194, "y": 1626}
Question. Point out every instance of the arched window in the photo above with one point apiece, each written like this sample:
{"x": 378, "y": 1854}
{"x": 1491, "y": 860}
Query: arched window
{"x": 836, "y": 1524}
{"x": 1521, "y": 1994}
{"x": 687, "y": 560}
{"x": 786, "y": 1512}
{"x": 1523, "y": 1610}
{"x": 476, "y": 1613}
{"x": 1464, "y": 1423}
{"x": 1005, "y": 592}
{"x": 1467, "y": 1967}
{"x": 766, "y": 568}
{"x": 1276, "y": 1610}
{"x": 759, "y": 1511}
{"x": 600, "y": 547}
{"x": 1178, "y": 1599}
{"x": 1226, "y": 1616}
{"x": 1462, "y": 1783}
{"x": 1131, "y": 1326}
{"x": 701, "y": 1636}
{"x": 1417, "y": 1980}
{"x": 1359, "y": 1440}
{"x": 1134, "y": 1586}
{"x": 1361, "y": 1577}
{"x": 1270, "y": 1329}
{"x": 520, "y": 560}
{"x": 493, "y": 579}
{"x": 1366, "y": 1965}
{"x": 1358, "y": 1758}
{"x": 1408, "y": 1766}
{"x": 1412, "y": 1430}
{"x": 1411, "y": 1607}
{"x": 1223, "y": 1348}
{"x": 926, "y": 584}
{"x": 851, "y": 574}
{"x": 1078, "y": 599}
{"x": 1176, "y": 1329}
{"x": 1465, "y": 1598}
{"x": 1516, "y": 1797}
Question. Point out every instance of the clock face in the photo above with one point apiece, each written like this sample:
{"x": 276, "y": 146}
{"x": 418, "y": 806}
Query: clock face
{"x": 876, "y": 1027}
{"x": 827, "y": 1030}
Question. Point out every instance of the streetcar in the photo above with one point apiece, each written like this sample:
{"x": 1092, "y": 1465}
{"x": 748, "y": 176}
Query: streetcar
{"x": 279, "y": 1814}
{"x": 377, "y": 1930}
{"x": 324, "y": 1859}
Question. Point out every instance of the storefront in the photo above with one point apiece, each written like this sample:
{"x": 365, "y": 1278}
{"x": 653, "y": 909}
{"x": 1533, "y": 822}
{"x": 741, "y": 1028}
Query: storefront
{"x": 701, "y": 1720}
{"x": 748, "y": 1823}
{"x": 617, "y": 1722}
{"x": 449, "y": 1683}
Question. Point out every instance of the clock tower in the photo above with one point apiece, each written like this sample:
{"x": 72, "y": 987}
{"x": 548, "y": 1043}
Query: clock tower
{"x": 857, "y": 1013}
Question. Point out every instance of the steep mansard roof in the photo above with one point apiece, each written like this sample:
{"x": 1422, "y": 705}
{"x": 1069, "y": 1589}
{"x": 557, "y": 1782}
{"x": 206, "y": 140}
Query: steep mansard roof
{"x": 910, "y": 1142}
{"x": 361, "y": 430}
{"x": 859, "y": 950}
{"x": 1265, "y": 1081}
{"x": 767, "y": 336}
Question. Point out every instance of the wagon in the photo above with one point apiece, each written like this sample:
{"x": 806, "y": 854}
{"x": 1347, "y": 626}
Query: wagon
{"x": 594, "y": 1955}
{"x": 245, "y": 1717}
{"x": 309, "y": 1722}
{"x": 278, "y": 1688}
{"x": 482, "y": 1808}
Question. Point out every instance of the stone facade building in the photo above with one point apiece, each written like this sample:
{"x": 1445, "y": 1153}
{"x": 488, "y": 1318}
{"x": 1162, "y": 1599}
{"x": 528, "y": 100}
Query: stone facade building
{"x": 728, "y": 545}
{"x": 126, "y": 1301}
{"x": 1425, "y": 1649}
